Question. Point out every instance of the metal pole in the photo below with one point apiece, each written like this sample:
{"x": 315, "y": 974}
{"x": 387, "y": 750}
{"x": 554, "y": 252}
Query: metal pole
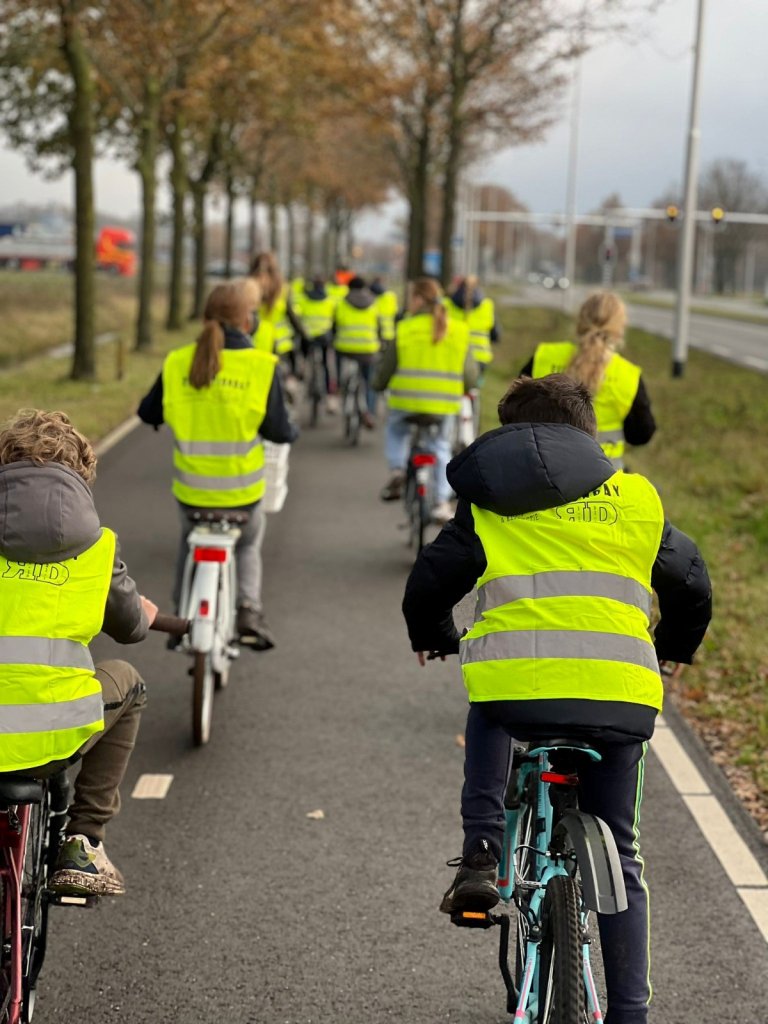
{"x": 688, "y": 231}
{"x": 570, "y": 193}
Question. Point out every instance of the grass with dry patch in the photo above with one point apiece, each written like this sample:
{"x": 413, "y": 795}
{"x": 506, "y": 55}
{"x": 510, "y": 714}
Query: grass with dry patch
{"x": 709, "y": 461}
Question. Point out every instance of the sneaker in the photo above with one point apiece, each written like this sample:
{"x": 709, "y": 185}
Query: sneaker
{"x": 474, "y": 887}
{"x": 252, "y": 629}
{"x": 393, "y": 491}
{"x": 443, "y": 512}
{"x": 83, "y": 869}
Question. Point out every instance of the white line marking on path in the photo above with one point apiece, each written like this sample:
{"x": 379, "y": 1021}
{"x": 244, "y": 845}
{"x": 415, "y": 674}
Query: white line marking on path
{"x": 730, "y": 849}
{"x": 152, "y": 787}
{"x": 116, "y": 435}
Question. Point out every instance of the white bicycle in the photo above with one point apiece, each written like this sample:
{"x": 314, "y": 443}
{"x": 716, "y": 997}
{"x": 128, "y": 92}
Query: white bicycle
{"x": 208, "y": 593}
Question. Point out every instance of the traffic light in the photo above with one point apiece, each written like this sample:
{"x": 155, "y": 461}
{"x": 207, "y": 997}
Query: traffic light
{"x": 717, "y": 214}
{"x": 672, "y": 213}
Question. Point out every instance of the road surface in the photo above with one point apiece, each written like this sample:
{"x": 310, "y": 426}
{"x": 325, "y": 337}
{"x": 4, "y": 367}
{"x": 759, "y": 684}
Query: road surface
{"x": 243, "y": 910}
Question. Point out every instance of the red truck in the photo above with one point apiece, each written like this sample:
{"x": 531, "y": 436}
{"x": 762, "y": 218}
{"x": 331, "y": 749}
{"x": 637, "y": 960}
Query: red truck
{"x": 25, "y": 247}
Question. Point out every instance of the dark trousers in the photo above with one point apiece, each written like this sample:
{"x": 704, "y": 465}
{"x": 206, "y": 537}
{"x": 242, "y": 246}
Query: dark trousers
{"x": 612, "y": 789}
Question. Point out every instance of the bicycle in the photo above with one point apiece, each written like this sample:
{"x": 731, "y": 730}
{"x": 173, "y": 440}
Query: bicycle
{"x": 316, "y": 378}
{"x": 420, "y": 483}
{"x": 467, "y": 423}
{"x": 352, "y": 400}
{"x": 208, "y": 592}
{"x": 558, "y": 866}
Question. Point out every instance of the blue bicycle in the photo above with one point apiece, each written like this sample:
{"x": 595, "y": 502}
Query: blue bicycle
{"x": 558, "y": 866}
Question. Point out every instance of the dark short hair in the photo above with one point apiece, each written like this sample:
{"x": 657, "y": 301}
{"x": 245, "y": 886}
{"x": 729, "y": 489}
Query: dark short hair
{"x": 552, "y": 399}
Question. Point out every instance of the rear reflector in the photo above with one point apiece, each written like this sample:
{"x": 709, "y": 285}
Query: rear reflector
{"x": 424, "y": 460}
{"x": 210, "y": 554}
{"x": 563, "y": 780}
{"x": 204, "y": 608}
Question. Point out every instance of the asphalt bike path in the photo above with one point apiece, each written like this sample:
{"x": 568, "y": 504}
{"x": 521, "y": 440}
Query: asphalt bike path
{"x": 240, "y": 908}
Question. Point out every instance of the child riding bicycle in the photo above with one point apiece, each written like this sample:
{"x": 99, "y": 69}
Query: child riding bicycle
{"x": 61, "y": 582}
{"x": 564, "y": 551}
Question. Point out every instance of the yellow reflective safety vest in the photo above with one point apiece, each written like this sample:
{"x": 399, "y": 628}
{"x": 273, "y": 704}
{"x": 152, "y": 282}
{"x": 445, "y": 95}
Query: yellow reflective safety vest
{"x": 218, "y": 458}
{"x": 315, "y": 314}
{"x": 388, "y": 305}
{"x": 50, "y": 699}
{"x": 337, "y": 291}
{"x": 282, "y": 328}
{"x": 563, "y": 606}
{"x": 430, "y": 375}
{"x": 296, "y": 288}
{"x": 613, "y": 400}
{"x": 480, "y": 321}
{"x": 264, "y": 338}
{"x": 357, "y": 330}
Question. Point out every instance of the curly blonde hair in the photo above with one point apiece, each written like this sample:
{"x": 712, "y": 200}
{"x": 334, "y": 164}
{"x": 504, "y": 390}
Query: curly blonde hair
{"x": 37, "y": 436}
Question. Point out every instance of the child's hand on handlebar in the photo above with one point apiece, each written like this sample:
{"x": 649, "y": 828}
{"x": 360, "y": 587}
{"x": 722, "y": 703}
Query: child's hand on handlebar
{"x": 425, "y": 656}
{"x": 671, "y": 669}
{"x": 150, "y": 609}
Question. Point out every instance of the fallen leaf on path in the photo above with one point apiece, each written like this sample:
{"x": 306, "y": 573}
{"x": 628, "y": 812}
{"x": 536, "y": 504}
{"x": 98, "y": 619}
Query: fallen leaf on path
{"x": 317, "y": 815}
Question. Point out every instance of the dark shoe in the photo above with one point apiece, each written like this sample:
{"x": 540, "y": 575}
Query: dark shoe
{"x": 394, "y": 489}
{"x": 474, "y": 887}
{"x": 252, "y": 629}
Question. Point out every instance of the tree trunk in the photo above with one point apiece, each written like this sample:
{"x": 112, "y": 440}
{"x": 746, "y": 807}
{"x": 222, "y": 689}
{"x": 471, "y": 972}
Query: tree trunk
{"x": 290, "y": 220}
{"x": 417, "y": 208}
{"x": 450, "y": 188}
{"x": 81, "y": 129}
{"x": 199, "y": 190}
{"x": 253, "y": 222}
{"x": 229, "y": 236}
{"x": 179, "y": 188}
{"x": 147, "y": 168}
{"x": 309, "y": 237}
{"x": 272, "y": 215}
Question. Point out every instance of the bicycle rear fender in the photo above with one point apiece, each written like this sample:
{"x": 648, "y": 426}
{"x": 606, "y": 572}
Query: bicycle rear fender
{"x": 598, "y": 859}
{"x": 203, "y": 606}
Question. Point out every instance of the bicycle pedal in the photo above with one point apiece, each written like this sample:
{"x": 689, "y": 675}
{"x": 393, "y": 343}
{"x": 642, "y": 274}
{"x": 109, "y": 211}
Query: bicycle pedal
{"x": 57, "y": 899}
{"x": 472, "y": 919}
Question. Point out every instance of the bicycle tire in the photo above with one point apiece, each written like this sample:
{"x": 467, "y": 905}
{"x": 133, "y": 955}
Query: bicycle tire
{"x": 34, "y": 905}
{"x": 424, "y": 519}
{"x": 561, "y": 986}
{"x": 202, "y": 698}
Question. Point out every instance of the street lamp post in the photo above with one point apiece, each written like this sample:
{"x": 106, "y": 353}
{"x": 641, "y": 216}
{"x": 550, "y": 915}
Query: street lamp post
{"x": 688, "y": 232}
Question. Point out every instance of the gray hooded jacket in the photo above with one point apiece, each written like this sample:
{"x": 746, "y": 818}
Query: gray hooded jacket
{"x": 47, "y": 515}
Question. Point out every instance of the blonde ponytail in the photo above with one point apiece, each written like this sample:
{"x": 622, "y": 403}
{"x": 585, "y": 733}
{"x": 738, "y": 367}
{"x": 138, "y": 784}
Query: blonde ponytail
{"x": 429, "y": 295}
{"x": 600, "y": 329}
{"x": 207, "y": 362}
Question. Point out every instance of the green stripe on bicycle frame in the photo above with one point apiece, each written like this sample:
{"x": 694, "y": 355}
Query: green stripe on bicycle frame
{"x": 218, "y": 447}
{"x": 40, "y": 650}
{"x": 219, "y": 483}
{"x": 641, "y": 862}
{"x": 506, "y": 589}
{"x": 66, "y": 714}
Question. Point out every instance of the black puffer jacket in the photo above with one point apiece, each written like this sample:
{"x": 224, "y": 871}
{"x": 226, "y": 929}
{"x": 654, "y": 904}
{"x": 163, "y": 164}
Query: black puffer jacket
{"x": 523, "y": 468}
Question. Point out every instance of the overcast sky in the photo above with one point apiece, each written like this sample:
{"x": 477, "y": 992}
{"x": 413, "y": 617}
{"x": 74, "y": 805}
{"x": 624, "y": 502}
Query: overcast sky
{"x": 635, "y": 97}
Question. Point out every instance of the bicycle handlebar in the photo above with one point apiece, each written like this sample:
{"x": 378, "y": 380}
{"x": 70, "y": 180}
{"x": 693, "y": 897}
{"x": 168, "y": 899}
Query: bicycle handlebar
{"x": 170, "y": 624}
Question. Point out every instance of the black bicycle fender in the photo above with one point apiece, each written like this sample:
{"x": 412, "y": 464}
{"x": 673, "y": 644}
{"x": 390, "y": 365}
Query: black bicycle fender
{"x": 599, "y": 865}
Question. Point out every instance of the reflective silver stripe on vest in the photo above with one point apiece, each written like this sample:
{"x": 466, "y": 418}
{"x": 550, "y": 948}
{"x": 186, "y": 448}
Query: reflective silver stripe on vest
{"x": 480, "y": 334}
{"x": 40, "y": 650}
{"x": 66, "y": 714}
{"x": 580, "y": 644}
{"x": 610, "y": 436}
{"x": 217, "y": 447}
{"x": 219, "y": 483}
{"x": 558, "y": 583}
{"x": 432, "y": 374}
{"x": 441, "y": 396}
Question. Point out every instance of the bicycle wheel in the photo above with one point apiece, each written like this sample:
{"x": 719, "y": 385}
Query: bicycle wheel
{"x": 5, "y": 946}
{"x": 561, "y": 988}
{"x": 202, "y": 698}
{"x": 315, "y": 386}
{"x": 34, "y": 906}
{"x": 424, "y": 518}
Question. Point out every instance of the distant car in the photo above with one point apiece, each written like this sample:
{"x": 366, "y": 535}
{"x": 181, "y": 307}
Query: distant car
{"x": 550, "y": 282}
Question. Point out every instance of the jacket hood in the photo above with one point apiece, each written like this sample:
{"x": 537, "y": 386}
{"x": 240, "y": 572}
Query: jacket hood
{"x": 316, "y": 293}
{"x": 459, "y": 297}
{"x": 360, "y": 298}
{"x": 528, "y": 467}
{"x": 46, "y": 513}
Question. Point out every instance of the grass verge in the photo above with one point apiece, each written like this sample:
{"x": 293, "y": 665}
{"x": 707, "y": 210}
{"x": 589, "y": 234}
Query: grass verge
{"x": 709, "y": 461}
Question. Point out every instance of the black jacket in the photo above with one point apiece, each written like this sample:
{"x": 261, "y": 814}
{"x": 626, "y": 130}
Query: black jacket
{"x": 523, "y": 468}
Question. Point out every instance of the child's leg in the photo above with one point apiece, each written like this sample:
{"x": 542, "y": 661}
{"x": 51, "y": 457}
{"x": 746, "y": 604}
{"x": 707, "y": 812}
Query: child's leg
{"x": 612, "y": 789}
{"x": 486, "y": 768}
{"x": 105, "y": 756}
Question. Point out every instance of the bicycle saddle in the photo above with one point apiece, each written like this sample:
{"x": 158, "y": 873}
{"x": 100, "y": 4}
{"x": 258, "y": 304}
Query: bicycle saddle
{"x": 423, "y": 419}
{"x": 562, "y": 741}
{"x": 217, "y": 515}
{"x": 18, "y": 789}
